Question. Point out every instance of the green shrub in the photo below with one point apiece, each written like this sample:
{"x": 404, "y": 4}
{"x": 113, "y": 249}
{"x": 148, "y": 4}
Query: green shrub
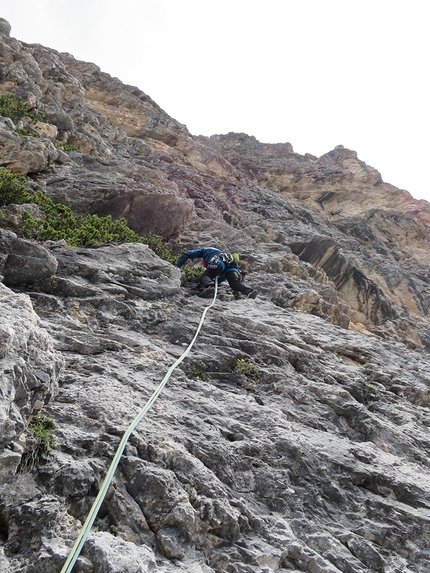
{"x": 250, "y": 369}
{"x": 41, "y": 441}
{"x": 28, "y": 132}
{"x": 76, "y": 230}
{"x": 16, "y": 109}
{"x": 65, "y": 146}
{"x": 160, "y": 248}
{"x": 13, "y": 189}
{"x": 197, "y": 372}
{"x": 193, "y": 272}
{"x": 85, "y": 231}
{"x": 10, "y": 107}
{"x": 61, "y": 223}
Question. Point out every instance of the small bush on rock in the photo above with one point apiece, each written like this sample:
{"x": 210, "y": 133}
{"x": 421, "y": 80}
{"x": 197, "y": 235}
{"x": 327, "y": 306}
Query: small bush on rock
{"x": 198, "y": 372}
{"x": 193, "y": 272}
{"x": 66, "y": 146}
{"x": 16, "y": 109}
{"x": 250, "y": 369}
{"x": 13, "y": 189}
{"x": 27, "y": 132}
{"x": 40, "y": 442}
{"x": 9, "y": 107}
{"x": 160, "y": 248}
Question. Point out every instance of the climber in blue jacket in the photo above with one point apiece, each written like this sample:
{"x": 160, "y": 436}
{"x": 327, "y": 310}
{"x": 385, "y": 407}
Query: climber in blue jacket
{"x": 221, "y": 265}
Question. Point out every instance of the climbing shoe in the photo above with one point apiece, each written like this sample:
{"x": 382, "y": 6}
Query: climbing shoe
{"x": 207, "y": 292}
{"x": 252, "y": 294}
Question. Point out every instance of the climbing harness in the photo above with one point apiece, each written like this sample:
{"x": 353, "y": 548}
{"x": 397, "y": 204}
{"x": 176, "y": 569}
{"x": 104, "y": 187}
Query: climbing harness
{"x": 76, "y": 549}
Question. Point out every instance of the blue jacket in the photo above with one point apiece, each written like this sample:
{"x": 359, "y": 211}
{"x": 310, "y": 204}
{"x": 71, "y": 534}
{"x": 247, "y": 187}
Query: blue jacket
{"x": 206, "y": 253}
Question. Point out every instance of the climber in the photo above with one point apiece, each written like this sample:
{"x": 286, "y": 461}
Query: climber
{"x": 218, "y": 264}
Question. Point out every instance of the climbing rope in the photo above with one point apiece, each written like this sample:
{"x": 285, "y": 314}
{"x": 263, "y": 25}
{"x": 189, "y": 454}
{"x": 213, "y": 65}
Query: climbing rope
{"x": 76, "y": 549}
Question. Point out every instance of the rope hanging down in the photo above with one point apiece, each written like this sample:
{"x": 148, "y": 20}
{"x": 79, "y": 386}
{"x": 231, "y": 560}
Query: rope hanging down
{"x": 76, "y": 549}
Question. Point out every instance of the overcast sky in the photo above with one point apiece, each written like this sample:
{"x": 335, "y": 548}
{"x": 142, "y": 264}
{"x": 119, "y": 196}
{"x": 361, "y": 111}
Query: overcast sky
{"x": 315, "y": 73}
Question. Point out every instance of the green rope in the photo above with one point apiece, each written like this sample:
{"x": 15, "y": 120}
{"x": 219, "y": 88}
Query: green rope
{"x": 76, "y": 549}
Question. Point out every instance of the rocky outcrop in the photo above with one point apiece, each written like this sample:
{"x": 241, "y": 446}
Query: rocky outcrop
{"x": 25, "y": 263}
{"x": 294, "y": 437}
{"x": 370, "y": 239}
{"x": 26, "y": 154}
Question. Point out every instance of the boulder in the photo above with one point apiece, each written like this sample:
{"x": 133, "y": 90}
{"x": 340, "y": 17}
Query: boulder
{"x": 24, "y": 154}
{"x": 157, "y": 214}
{"x": 27, "y": 263}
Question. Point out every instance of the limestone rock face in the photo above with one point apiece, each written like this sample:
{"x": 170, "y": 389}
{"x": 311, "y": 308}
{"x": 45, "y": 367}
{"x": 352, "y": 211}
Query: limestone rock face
{"x": 29, "y": 372}
{"x": 295, "y": 435}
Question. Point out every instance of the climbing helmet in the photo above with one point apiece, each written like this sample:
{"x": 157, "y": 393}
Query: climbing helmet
{"x": 226, "y": 258}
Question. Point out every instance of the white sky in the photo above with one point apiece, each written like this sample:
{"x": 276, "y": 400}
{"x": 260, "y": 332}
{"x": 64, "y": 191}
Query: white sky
{"x": 315, "y": 73}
